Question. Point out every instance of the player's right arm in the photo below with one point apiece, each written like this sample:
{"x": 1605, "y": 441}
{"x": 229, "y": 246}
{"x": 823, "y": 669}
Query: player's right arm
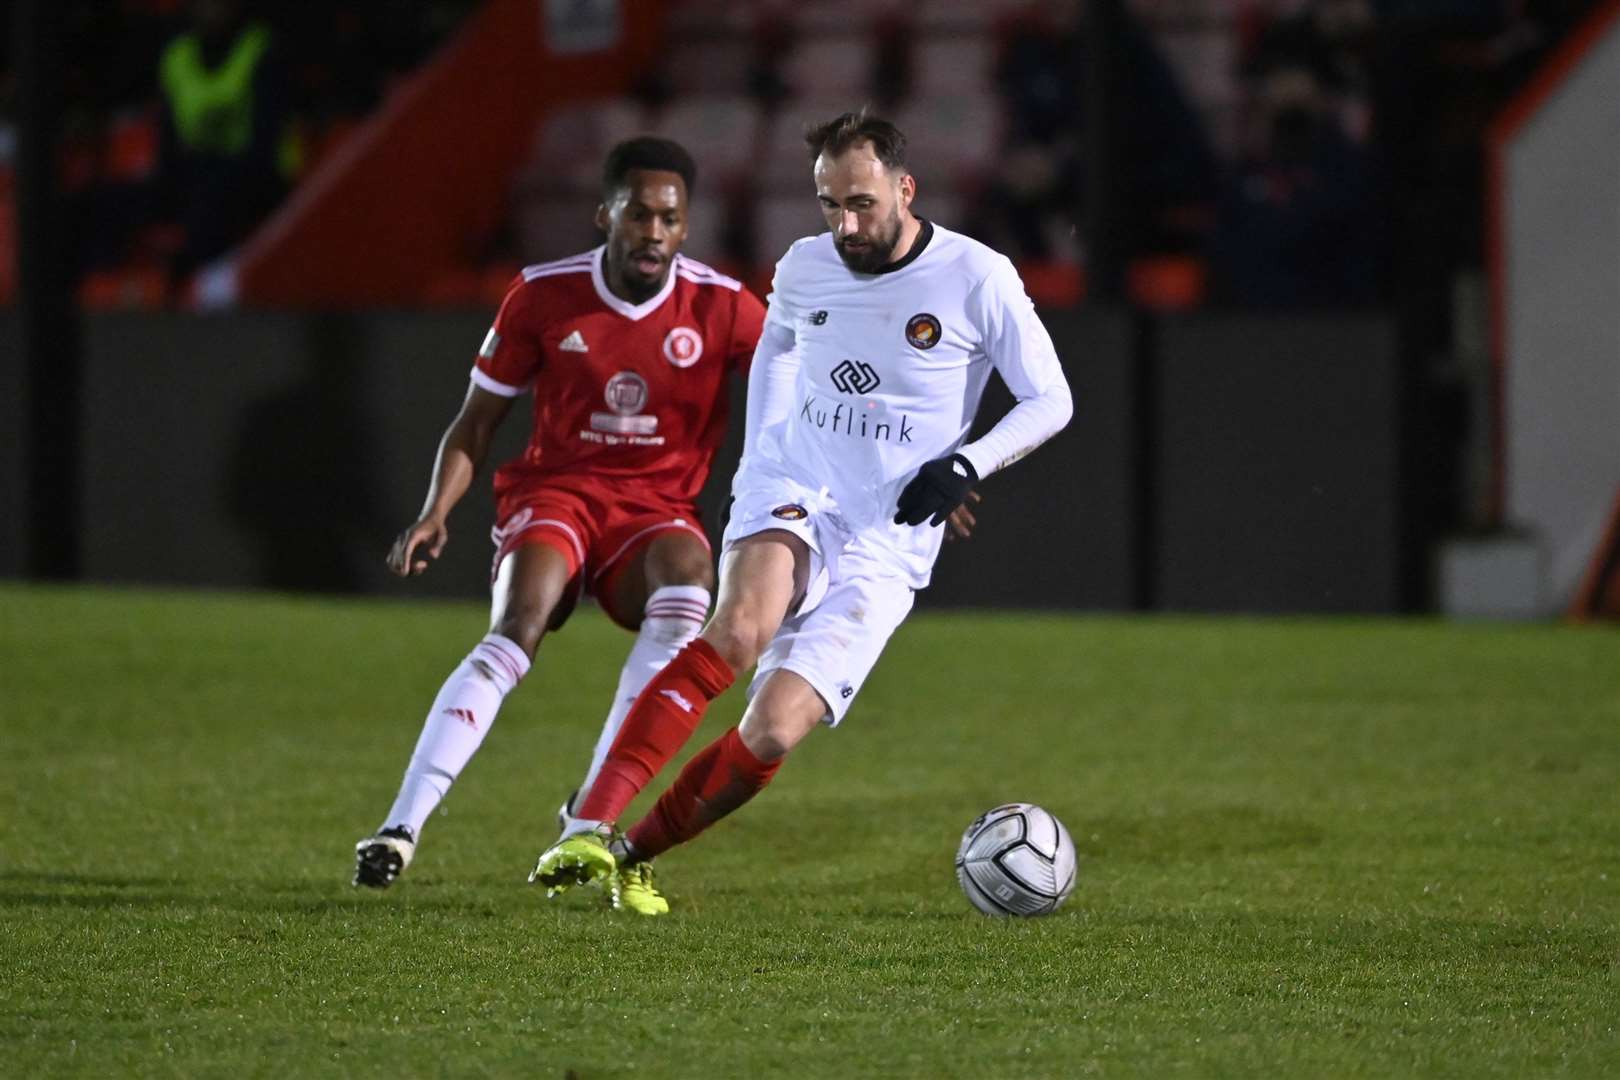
{"x": 506, "y": 364}
{"x": 775, "y": 366}
{"x": 461, "y": 455}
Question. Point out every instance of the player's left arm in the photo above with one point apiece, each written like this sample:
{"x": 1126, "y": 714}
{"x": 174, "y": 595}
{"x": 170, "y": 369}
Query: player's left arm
{"x": 1020, "y": 348}
{"x": 1018, "y": 345}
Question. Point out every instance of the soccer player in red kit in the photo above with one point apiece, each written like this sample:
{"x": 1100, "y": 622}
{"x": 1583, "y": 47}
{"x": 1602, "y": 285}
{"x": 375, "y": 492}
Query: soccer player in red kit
{"x": 626, "y": 350}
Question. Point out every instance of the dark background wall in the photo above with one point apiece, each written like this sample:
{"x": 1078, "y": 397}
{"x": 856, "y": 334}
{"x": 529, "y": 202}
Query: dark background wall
{"x": 1276, "y": 479}
{"x": 1059, "y": 528}
{"x": 13, "y": 440}
{"x": 1216, "y": 463}
{"x": 275, "y": 449}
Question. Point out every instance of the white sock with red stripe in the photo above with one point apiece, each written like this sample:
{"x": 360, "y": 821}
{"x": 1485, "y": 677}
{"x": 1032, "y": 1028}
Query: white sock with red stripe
{"x": 673, "y": 617}
{"x": 461, "y": 716}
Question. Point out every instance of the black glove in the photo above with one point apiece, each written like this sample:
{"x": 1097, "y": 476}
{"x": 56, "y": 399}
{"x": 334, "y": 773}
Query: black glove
{"x": 938, "y": 488}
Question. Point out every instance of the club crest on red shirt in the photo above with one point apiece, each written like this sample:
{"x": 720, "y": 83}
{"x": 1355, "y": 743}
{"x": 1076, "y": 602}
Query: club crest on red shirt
{"x": 683, "y": 347}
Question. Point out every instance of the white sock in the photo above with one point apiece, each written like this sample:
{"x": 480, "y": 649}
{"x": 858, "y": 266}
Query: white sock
{"x": 673, "y": 616}
{"x": 461, "y": 716}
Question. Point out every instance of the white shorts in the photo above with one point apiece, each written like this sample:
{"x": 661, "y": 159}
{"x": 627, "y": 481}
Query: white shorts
{"x": 855, "y": 600}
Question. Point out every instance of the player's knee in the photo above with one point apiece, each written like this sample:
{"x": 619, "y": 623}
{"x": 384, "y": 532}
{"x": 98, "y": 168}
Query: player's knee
{"x": 764, "y": 741}
{"x": 524, "y": 625}
{"x": 682, "y": 562}
{"x": 739, "y": 641}
{"x": 775, "y": 726}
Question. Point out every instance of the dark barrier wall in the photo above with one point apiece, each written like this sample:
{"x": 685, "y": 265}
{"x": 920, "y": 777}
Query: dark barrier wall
{"x": 13, "y": 460}
{"x": 286, "y": 451}
{"x": 1058, "y": 529}
{"x": 1277, "y": 473}
{"x": 278, "y": 450}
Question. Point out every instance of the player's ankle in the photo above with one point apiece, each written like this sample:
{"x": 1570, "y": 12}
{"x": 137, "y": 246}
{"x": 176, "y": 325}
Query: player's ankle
{"x": 582, "y": 826}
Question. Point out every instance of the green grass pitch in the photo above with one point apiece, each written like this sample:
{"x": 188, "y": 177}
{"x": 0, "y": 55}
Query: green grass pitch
{"x": 1309, "y": 848}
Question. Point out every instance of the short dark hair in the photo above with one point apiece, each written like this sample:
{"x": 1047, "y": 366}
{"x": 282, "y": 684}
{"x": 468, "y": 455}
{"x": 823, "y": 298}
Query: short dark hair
{"x": 646, "y": 152}
{"x": 842, "y": 132}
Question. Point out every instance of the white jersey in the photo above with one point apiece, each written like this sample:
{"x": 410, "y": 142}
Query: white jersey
{"x": 859, "y": 379}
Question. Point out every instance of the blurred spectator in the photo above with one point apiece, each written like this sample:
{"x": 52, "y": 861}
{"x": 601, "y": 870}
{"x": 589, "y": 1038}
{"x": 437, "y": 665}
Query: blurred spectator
{"x": 1333, "y": 39}
{"x": 1299, "y": 222}
{"x": 1034, "y": 203}
{"x": 229, "y": 152}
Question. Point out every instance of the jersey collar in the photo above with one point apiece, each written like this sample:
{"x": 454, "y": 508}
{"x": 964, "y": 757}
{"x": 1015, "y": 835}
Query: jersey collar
{"x": 925, "y": 233}
{"x": 634, "y": 312}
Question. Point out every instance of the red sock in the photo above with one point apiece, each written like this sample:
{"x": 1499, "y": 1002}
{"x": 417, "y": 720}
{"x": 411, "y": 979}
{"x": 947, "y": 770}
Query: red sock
{"x": 724, "y": 775}
{"x": 658, "y": 725}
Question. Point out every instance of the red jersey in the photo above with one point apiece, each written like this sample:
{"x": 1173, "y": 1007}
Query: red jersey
{"x": 621, "y": 390}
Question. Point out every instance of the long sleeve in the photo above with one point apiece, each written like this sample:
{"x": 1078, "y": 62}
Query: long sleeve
{"x": 1021, "y": 351}
{"x": 770, "y": 378}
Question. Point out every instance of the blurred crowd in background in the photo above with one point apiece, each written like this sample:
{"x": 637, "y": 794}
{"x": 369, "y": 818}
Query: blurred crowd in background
{"x": 163, "y": 170}
{"x": 1254, "y": 135}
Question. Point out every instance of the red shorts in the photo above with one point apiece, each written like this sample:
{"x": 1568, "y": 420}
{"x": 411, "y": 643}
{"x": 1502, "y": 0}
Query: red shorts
{"x": 597, "y": 524}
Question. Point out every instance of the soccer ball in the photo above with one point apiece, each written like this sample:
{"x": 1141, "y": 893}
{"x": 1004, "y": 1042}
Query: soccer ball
{"x": 1016, "y": 860}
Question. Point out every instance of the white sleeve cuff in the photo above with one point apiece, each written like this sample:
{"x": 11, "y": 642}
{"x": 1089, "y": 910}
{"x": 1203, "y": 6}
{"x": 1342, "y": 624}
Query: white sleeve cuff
{"x": 484, "y": 382}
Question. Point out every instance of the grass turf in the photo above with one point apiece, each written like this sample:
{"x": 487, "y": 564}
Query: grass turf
{"x": 1338, "y": 848}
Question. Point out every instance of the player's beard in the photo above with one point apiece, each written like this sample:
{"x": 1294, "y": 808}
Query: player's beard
{"x": 879, "y": 248}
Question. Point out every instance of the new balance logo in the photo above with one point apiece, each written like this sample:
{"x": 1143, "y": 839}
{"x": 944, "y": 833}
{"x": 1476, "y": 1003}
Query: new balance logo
{"x": 465, "y": 716}
{"x": 675, "y": 696}
{"x": 854, "y": 377}
{"x": 845, "y": 690}
{"x": 573, "y": 343}
{"x": 817, "y": 318}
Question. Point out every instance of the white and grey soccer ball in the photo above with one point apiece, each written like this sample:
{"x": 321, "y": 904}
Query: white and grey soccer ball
{"x": 1016, "y": 859}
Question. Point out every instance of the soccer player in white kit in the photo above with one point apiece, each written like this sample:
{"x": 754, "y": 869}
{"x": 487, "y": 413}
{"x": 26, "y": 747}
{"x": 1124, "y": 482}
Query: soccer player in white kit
{"x": 878, "y": 342}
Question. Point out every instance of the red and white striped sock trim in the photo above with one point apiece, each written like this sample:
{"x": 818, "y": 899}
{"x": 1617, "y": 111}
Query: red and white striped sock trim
{"x": 685, "y": 602}
{"x": 503, "y": 656}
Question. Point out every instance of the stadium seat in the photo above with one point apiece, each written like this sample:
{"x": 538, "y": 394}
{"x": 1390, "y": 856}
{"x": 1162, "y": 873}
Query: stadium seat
{"x": 832, "y": 66}
{"x": 961, "y": 16}
{"x": 706, "y": 227}
{"x": 1167, "y": 282}
{"x": 815, "y": 17}
{"x": 709, "y": 64}
{"x": 784, "y": 165}
{"x": 951, "y": 137}
{"x": 125, "y": 288}
{"x": 132, "y": 146}
{"x": 696, "y": 18}
{"x": 721, "y": 133}
{"x": 940, "y": 205}
{"x": 553, "y": 226}
{"x": 572, "y": 140}
{"x": 1053, "y": 283}
{"x": 952, "y": 65}
{"x": 781, "y": 220}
